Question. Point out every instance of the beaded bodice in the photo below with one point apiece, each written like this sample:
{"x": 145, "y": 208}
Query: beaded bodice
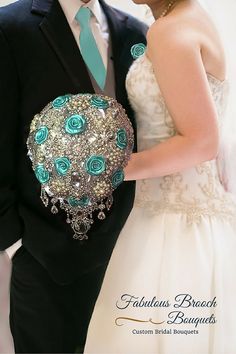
{"x": 195, "y": 192}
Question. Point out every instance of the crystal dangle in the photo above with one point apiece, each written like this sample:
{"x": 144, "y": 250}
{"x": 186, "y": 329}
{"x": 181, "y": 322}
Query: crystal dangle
{"x": 54, "y": 209}
{"x": 101, "y": 214}
{"x": 44, "y": 197}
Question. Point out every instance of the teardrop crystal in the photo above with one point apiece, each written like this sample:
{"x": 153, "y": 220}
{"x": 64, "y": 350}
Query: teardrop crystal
{"x": 101, "y": 215}
{"x": 54, "y": 209}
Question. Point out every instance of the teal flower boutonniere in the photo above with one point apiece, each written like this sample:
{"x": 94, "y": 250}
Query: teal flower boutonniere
{"x": 137, "y": 50}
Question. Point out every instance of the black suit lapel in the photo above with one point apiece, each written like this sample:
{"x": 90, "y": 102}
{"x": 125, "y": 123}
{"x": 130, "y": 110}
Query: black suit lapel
{"x": 58, "y": 33}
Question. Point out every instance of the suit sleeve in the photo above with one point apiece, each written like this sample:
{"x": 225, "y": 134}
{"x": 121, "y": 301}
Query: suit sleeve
{"x": 11, "y": 225}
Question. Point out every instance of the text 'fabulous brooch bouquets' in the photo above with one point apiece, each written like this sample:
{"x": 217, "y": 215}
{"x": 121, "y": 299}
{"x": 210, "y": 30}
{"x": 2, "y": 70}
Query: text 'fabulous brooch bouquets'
{"x": 79, "y": 145}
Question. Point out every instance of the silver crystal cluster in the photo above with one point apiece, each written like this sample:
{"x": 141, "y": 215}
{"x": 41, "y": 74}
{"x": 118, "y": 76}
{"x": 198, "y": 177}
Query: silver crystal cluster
{"x": 79, "y": 146}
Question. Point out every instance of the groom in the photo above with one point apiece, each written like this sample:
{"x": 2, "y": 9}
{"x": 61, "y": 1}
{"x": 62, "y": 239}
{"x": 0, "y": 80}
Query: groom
{"x": 55, "y": 279}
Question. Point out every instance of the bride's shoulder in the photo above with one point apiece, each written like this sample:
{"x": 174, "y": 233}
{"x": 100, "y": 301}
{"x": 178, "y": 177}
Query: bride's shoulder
{"x": 188, "y": 26}
{"x": 173, "y": 32}
{"x": 174, "y": 41}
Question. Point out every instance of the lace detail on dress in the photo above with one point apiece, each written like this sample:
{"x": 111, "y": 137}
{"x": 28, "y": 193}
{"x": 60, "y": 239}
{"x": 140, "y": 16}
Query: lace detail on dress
{"x": 175, "y": 196}
{"x": 195, "y": 192}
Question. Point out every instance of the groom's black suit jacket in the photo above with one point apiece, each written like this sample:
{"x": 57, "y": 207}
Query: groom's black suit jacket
{"x": 40, "y": 60}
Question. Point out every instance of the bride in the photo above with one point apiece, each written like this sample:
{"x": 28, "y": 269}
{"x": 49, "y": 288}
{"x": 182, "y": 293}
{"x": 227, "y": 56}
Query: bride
{"x": 171, "y": 284}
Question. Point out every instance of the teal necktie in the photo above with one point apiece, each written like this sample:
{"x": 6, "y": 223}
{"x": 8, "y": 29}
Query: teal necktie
{"x": 89, "y": 49}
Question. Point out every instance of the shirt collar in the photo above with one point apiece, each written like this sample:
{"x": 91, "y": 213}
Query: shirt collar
{"x": 71, "y": 7}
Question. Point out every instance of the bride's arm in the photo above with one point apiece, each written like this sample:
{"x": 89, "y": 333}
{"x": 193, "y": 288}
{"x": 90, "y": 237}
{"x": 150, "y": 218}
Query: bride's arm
{"x": 177, "y": 63}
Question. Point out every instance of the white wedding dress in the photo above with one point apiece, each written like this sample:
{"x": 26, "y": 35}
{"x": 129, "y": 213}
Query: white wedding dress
{"x": 178, "y": 245}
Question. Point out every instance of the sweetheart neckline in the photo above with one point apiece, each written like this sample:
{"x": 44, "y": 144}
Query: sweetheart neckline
{"x": 213, "y": 77}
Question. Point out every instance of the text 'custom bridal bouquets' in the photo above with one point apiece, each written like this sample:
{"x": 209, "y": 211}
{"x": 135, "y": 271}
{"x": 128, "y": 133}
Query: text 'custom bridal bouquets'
{"x": 79, "y": 146}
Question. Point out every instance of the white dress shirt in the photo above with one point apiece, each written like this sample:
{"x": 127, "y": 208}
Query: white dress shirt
{"x": 100, "y": 31}
{"x": 98, "y": 22}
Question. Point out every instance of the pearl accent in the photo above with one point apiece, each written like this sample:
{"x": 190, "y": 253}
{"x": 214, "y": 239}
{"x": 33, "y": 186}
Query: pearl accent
{"x": 167, "y": 9}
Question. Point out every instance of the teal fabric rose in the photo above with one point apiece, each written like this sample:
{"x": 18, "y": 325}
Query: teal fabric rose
{"x": 95, "y": 165}
{"x": 121, "y": 139}
{"x": 84, "y": 201}
{"x": 62, "y": 165}
{"x": 117, "y": 178}
{"x": 75, "y": 124}
{"x": 137, "y": 50}
{"x": 60, "y": 101}
{"x": 41, "y": 135}
{"x": 42, "y": 174}
{"x": 99, "y": 102}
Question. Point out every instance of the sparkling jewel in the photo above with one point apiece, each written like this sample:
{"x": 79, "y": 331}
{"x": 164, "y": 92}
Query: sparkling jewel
{"x": 54, "y": 209}
{"x": 101, "y": 215}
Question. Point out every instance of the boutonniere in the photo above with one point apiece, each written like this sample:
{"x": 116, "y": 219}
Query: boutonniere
{"x": 137, "y": 50}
